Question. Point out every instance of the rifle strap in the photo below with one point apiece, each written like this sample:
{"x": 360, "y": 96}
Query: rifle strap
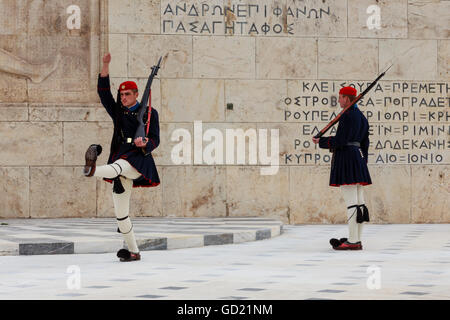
{"x": 148, "y": 119}
{"x": 149, "y": 111}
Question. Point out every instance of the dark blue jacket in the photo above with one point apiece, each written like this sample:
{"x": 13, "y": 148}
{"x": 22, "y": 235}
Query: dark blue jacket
{"x": 125, "y": 126}
{"x": 349, "y": 163}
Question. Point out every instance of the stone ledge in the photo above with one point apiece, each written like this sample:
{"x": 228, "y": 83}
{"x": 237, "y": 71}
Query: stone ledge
{"x": 99, "y": 235}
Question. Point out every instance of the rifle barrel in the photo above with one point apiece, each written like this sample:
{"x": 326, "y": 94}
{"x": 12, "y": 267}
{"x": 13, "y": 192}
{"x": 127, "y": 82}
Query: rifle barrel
{"x": 333, "y": 121}
{"x": 140, "y": 132}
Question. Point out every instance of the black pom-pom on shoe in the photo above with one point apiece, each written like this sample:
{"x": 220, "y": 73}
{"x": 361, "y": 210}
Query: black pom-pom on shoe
{"x": 126, "y": 255}
{"x": 123, "y": 254}
{"x": 336, "y": 243}
{"x": 99, "y": 149}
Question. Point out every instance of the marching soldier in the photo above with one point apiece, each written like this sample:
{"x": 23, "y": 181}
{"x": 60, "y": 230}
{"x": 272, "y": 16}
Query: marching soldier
{"x": 130, "y": 163}
{"x": 349, "y": 167}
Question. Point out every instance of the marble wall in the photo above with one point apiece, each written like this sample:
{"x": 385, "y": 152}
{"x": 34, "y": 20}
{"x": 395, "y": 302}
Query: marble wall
{"x": 256, "y": 66}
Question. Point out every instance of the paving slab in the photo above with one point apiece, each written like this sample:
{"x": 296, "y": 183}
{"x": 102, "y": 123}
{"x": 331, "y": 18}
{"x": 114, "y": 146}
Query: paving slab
{"x": 298, "y": 264}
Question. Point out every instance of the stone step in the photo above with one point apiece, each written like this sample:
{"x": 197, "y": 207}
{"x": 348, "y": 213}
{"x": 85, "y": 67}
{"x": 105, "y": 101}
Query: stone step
{"x": 99, "y": 235}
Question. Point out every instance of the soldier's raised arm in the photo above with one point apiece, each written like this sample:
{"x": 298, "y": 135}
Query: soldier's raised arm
{"x": 105, "y": 66}
{"x": 104, "y": 86}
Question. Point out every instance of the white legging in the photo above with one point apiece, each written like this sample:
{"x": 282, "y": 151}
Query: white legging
{"x": 353, "y": 195}
{"x": 121, "y": 201}
{"x": 120, "y": 167}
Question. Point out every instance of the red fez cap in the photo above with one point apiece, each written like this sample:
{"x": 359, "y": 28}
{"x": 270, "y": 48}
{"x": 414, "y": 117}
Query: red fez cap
{"x": 348, "y": 90}
{"x": 128, "y": 85}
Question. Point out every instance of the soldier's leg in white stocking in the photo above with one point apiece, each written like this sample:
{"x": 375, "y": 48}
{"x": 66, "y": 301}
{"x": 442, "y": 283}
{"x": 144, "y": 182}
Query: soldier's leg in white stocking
{"x": 126, "y": 173}
{"x": 109, "y": 171}
{"x": 350, "y": 196}
{"x": 121, "y": 206}
{"x": 120, "y": 167}
{"x": 360, "y": 202}
{"x": 127, "y": 170}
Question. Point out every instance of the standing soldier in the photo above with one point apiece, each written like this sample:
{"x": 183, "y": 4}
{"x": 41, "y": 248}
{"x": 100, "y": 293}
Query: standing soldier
{"x": 130, "y": 163}
{"x": 349, "y": 167}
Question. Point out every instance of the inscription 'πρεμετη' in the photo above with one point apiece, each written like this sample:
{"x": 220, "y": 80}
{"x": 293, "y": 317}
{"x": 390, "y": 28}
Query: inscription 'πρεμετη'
{"x": 409, "y": 122}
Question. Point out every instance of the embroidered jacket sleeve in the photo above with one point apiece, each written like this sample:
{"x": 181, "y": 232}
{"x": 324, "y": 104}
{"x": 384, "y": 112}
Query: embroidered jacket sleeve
{"x": 104, "y": 92}
{"x": 344, "y": 131}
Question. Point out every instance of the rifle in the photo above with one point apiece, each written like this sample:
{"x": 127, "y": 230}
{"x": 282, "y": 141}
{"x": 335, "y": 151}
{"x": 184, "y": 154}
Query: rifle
{"x": 146, "y": 102}
{"x": 332, "y": 122}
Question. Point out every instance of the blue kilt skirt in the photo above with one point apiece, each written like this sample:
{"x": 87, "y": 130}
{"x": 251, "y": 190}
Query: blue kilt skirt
{"x": 349, "y": 167}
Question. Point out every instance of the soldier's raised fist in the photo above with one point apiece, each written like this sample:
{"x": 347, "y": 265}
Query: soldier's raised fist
{"x": 107, "y": 58}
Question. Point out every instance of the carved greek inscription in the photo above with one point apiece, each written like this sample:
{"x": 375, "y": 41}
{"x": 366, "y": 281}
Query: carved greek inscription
{"x": 409, "y": 121}
{"x": 215, "y": 18}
